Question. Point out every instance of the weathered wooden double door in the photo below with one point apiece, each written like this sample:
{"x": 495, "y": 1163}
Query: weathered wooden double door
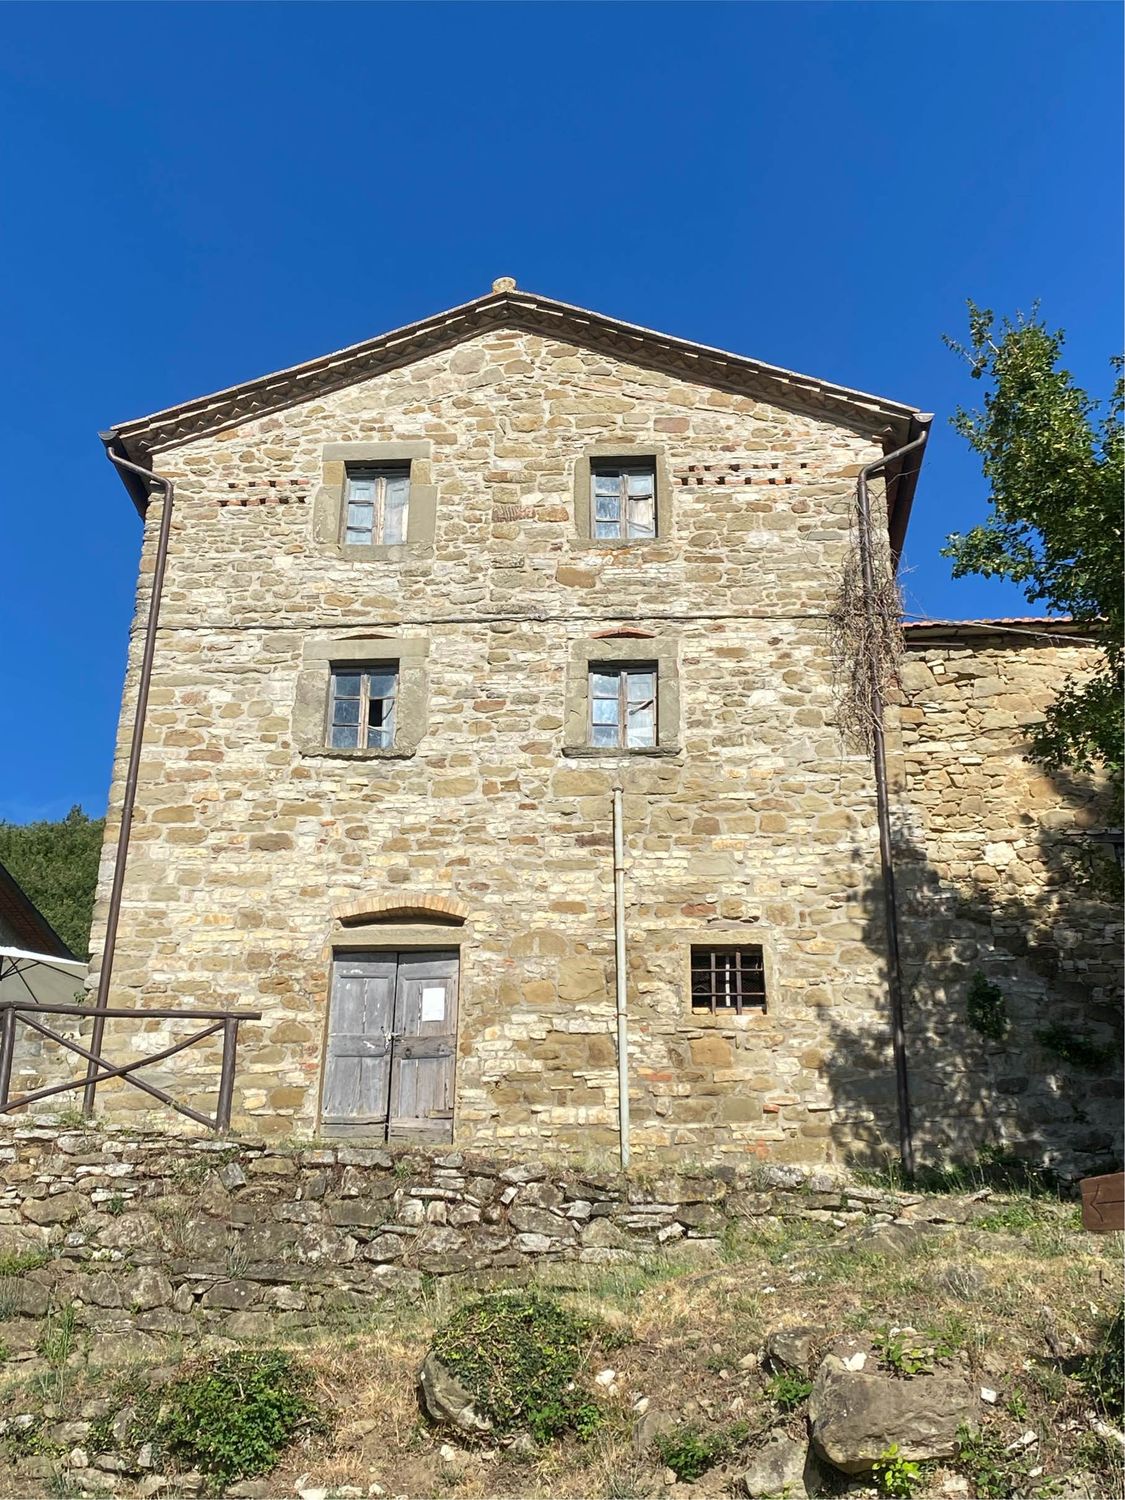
{"x": 392, "y": 1041}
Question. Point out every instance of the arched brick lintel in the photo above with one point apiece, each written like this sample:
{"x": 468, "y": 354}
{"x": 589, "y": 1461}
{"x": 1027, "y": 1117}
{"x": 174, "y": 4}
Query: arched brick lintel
{"x": 404, "y": 908}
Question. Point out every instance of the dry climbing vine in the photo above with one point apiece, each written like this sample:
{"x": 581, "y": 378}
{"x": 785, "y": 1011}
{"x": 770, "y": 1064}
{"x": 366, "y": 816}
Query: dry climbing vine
{"x": 865, "y": 637}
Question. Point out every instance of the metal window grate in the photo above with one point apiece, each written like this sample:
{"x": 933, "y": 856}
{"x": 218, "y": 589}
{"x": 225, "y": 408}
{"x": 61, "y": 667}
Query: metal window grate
{"x": 728, "y": 979}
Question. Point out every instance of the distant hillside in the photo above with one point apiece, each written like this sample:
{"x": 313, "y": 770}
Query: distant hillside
{"x": 57, "y": 865}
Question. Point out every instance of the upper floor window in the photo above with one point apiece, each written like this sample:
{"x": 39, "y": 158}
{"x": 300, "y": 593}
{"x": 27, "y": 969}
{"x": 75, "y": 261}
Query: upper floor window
{"x": 623, "y": 706}
{"x": 361, "y": 713}
{"x": 377, "y": 502}
{"x": 623, "y": 500}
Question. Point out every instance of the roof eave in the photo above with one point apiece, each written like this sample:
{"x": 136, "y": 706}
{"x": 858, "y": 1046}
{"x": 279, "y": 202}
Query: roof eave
{"x": 902, "y": 484}
{"x": 140, "y": 437}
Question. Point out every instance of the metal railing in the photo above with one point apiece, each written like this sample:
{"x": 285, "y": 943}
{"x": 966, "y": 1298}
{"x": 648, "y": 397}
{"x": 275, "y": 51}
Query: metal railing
{"x": 226, "y": 1021}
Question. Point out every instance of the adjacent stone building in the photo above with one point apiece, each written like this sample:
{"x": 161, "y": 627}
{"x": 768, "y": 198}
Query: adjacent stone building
{"x": 429, "y": 601}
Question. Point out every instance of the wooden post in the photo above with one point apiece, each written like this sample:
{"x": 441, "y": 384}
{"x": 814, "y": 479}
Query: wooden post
{"x": 226, "y": 1079}
{"x": 7, "y": 1052}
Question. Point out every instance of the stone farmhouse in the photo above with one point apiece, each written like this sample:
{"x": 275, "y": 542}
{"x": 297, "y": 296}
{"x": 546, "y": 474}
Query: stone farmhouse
{"x": 438, "y": 603}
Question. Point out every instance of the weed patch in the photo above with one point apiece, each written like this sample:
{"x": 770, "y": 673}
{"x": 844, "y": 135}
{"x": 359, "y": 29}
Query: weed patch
{"x": 233, "y": 1417}
{"x": 59, "y": 1338}
{"x": 788, "y": 1390}
{"x": 16, "y": 1263}
{"x": 993, "y": 1473}
{"x": 903, "y": 1352}
{"x": 1103, "y": 1372}
{"x": 689, "y": 1452}
{"x": 895, "y": 1475}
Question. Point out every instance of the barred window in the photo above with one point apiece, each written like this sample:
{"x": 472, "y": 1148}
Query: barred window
{"x": 376, "y": 504}
{"x": 361, "y": 713}
{"x": 725, "y": 980}
{"x": 623, "y": 500}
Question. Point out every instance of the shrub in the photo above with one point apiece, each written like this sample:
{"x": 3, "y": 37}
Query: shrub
{"x": 233, "y": 1417}
{"x": 520, "y": 1355}
{"x": 688, "y": 1452}
{"x": 1103, "y": 1371}
{"x": 986, "y": 1010}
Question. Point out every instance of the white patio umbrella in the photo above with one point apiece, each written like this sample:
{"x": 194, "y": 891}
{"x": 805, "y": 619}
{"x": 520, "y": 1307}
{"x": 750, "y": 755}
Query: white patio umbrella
{"x": 39, "y": 978}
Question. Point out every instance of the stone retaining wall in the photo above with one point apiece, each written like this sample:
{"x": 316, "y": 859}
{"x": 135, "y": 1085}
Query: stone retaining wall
{"x": 153, "y": 1241}
{"x": 990, "y": 853}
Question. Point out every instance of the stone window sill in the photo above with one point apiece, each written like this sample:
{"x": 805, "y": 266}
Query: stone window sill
{"x": 385, "y": 552}
{"x": 598, "y": 752}
{"x": 630, "y": 544}
{"x": 324, "y": 752}
{"x": 728, "y": 1019}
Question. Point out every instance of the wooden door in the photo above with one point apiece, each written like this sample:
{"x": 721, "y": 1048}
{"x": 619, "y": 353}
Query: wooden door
{"x": 392, "y": 1032}
{"x": 357, "y": 1076}
{"x": 421, "y": 1105}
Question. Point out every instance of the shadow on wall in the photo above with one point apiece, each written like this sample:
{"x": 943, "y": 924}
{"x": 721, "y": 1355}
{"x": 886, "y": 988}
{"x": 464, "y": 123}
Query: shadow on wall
{"x": 1040, "y": 968}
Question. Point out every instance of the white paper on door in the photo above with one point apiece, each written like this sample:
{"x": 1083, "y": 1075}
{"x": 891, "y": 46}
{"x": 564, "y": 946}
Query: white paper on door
{"x": 433, "y": 1003}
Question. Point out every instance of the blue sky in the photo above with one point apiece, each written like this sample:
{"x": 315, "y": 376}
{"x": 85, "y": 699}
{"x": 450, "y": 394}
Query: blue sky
{"x": 194, "y": 195}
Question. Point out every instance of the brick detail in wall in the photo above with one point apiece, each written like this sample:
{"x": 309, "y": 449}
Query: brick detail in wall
{"x": 248, "y": 492}
{"x": 735, "y": 472}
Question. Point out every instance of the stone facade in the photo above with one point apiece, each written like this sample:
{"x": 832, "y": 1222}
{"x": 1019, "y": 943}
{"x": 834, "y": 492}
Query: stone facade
{"x": 256, "y": 855}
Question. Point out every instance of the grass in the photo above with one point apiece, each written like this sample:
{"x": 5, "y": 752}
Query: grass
{"x": 695, "y": 1332}
{"x": 17, "y": 1262}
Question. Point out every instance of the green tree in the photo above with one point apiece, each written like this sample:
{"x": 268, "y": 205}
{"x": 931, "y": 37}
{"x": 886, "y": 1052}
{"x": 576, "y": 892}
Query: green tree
{"x": 57, "y": 865}
{"x": 1053, "y": 457}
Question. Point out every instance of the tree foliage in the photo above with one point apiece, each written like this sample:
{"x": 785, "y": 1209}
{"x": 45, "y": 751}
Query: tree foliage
{"x": 1053, "y": 457}
{"x": 57, "y": 866}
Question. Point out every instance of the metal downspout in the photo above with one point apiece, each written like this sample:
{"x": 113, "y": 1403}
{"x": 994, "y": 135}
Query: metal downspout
{"x": 113, "y": 915}
{"x": 882, "y": 800}
{"x": 621, "y": 974}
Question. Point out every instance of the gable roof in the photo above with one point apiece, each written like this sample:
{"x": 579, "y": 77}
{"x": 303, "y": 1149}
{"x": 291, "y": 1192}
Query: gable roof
{"x": 506, "y": 308}
{"x": 21, "y": 916}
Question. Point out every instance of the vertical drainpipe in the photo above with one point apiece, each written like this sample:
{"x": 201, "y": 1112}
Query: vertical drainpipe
{"x": 882, "y": 802}
{"x": 130, "y": 795}
{"x": 621, "y": 973}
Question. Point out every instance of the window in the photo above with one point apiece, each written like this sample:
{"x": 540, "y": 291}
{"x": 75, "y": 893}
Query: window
{"x": 376, "y": 504}
{"x": 362, "y": 710}
{"x": 623, "y": 500}
{"x": 725, "y": 980}
{"x": 623, "y": 706}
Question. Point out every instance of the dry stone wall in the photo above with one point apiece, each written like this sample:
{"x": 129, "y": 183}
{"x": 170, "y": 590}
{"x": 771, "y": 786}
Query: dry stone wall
{"x": 991, "y": 852}
{"x": 154, "y": 1242}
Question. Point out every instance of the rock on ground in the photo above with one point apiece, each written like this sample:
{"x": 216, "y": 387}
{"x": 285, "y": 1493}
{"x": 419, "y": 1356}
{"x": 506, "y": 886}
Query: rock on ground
{"x": 855, "y": 1415}
{"x": 447, "y": 1400}
{"x": 780, "y": 1467}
